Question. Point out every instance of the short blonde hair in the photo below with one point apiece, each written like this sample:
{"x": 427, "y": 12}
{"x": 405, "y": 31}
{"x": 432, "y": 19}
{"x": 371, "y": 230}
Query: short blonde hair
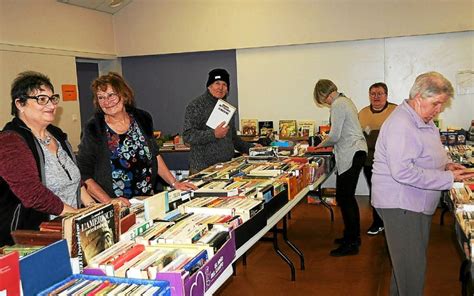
{"x": 322, "y": 89}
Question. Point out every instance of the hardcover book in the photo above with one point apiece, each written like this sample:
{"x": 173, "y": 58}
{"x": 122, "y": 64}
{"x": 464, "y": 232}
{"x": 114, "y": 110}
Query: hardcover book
{"x": 306, "y": 128}
{"x": 10, "y": 274}
{"x": 22, "y": 250}
{"x": 95, "y": 232}
{"x": 69, "y": 228}
{"x": 249, "y": 127}
{"x": 265, "y": 128}
{"x": 34, "y": 237}
{"x": 287, "y": 128}
{"x": 222, "y": 112}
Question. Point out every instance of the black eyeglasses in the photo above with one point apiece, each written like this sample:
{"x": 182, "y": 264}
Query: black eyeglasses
{"x": 44, "y": 99}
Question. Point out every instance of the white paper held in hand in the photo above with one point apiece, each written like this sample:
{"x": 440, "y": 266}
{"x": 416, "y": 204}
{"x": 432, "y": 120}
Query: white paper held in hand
{"x": 223, "y": 111}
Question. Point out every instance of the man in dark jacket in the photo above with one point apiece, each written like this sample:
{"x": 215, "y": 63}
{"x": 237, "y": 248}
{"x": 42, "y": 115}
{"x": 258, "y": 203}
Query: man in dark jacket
{"x": 210, "y": 146}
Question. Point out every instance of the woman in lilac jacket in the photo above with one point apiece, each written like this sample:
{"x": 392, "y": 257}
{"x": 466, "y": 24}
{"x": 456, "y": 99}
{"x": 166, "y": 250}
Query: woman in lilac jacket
{"x": 410, "y": 170}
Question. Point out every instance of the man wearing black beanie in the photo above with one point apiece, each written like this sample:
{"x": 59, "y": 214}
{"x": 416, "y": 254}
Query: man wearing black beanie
{"x": 210, "y": 146}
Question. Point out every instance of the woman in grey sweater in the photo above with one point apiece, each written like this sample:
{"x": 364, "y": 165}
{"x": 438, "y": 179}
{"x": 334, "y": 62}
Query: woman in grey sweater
{"x": 350, "y": 149}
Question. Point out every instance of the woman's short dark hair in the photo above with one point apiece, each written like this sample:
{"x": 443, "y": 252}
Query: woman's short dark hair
{"x": 25, "y": 84}
{"x": 118, "y": 84}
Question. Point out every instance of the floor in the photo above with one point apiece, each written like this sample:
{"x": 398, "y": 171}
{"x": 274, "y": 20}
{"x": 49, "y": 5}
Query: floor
{"x": 367, "y": 273}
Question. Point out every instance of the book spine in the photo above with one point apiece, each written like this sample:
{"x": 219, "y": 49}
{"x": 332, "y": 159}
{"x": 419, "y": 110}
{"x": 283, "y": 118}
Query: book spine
{"x": 199, "y": 260}
{"x": 133, "y": 252}
{"x": 79, "y": 248}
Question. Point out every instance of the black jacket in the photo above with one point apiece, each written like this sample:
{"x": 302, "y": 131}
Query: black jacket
{"x": 94, "y": 155}
{"x": 13, "y": 214}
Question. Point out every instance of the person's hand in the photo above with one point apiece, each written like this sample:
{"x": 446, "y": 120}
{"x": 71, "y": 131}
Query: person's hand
{"x": 124, "y": 202}
{"x": 67, "y": 209}
{"x": 185, "y": 186}
{"x": 257, "y": 145}
{"x": 220, "y": 131}
{"x": 462, "y": 174}
{"x": 454, "y": 166}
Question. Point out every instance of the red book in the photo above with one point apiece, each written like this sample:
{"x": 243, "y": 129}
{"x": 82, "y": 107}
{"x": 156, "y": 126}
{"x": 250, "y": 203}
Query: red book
{"x": 10, "y": 274}
{"x": 320, "y": 149}
{"x": 99, "y": 288}
{"x": 127, "y": 256}
{"x": 127, "y": 222}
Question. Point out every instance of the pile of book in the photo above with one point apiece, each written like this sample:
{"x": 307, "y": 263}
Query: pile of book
{"x": 462, "y": 154}
{"x": 22, "y": 250}
{"x": 132, "y": 260}
{"x": 85, "y": 286}
{"x": 229, "y": 206}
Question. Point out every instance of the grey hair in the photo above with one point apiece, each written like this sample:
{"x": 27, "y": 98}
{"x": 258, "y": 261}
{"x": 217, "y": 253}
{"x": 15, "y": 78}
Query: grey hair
{"x": 431, "y": 84}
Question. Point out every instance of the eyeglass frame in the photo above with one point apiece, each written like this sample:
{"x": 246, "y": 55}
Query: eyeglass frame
{"x": 54, "y": 99}
{"x": 110, "y": 97}
{"x": 377, "y": 94}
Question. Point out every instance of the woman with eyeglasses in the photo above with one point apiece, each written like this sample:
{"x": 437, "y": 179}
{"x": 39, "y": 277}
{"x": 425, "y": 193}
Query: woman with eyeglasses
{"x": 118, "y": 155}
{"x": 38, "y": 174}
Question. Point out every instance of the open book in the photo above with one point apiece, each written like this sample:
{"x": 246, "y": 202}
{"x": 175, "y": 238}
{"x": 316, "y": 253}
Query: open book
{"x": 223, "y": 111}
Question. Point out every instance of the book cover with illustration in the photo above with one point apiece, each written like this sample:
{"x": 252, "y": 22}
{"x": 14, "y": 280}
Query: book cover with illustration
{"x": 95, "y": 232}
{"x": 249, "y": 127}
{"x": 287, "y": 128}
{"x": 306, "y": 128}
{"x": 265, "y": 128}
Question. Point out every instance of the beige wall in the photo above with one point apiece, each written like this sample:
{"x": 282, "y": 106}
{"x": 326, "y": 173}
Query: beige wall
{"x": 48, "y": 24}
{"x": 147, "y": 27}
{"x": 60, "y": 69}
{"x": 277, "y": 83}
{"x": 47, "y": 36}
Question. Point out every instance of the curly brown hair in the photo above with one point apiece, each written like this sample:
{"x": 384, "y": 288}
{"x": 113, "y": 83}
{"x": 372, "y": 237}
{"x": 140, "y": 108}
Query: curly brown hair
{"x": 118, "y": 84}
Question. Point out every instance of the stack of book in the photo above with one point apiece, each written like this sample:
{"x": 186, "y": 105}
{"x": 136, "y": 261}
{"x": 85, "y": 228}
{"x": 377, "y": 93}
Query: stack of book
{"x": 132, "y": 260}
{"x": 233, "y": 206}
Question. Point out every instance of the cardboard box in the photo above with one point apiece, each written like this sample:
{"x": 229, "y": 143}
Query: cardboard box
{"x": 47, "y": 269}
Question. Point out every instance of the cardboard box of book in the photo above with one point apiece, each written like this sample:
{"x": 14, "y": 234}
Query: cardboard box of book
{"x": 201, "y": 280}
{"x": 138, "y": 261}
{"x": 292, "y": 183}
{"x": 239, "y": 205}
{"x": 301, "y": 172}
{"x": 184, "y": 281}
{"x": 49, "y": 271}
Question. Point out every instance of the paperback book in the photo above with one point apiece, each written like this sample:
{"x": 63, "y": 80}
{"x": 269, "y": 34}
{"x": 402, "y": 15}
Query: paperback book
{"x": 222, "y": 112}
{"x": 306, "y": 128}
{"x": 249, "y": 127}
{"x": 265, "y": 128}
{"x": 287, "y": 128}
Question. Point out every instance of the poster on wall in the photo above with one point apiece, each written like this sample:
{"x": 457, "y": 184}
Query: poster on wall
{"x": 69, "y": 92}
{"x": 465, "y": 82}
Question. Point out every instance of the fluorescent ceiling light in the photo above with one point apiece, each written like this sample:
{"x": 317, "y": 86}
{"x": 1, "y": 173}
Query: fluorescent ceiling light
{"x": 115, "y": 3}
